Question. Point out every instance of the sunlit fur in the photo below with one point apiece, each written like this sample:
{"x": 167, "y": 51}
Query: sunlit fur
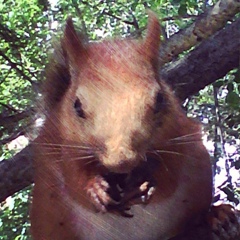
{"x": 117, "y": 83}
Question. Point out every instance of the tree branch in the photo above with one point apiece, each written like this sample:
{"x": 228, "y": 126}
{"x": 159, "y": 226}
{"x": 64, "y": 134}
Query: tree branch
{"x": 11, "y": 120}
{"x": 211, "y": 60}
{"x": 16, "y": 173}
{"x": 15, "y": 66}
{"x": 204, "y": 26}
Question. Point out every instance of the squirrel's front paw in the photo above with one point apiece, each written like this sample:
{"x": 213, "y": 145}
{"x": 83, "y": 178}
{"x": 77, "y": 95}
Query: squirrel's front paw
{"x": 97, "y": 191}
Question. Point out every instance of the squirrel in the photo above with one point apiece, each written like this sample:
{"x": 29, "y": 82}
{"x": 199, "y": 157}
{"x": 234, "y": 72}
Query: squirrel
{"x": 117, "y": 158}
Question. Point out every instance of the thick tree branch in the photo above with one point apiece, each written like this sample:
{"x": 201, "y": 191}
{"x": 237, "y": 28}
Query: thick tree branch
{"x": 10, "y": 120}
{"x": 211, "y": 60}
{"x": 16, "y": 173}
{"x": 204, "y": 26}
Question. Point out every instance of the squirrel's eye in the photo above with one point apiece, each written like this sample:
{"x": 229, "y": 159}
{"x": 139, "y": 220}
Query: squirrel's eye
{"x": 78, "y": 108}
{"x": 159, "y": 103}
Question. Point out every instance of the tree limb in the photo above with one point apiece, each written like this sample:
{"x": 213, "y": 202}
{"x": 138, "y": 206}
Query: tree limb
{"x": 16, "y": 173}
{"x": 204, "y": 26}
{"x": 10, "y": 120}
{"x": 211, "y": 60}
{"x": 16, "y": 67}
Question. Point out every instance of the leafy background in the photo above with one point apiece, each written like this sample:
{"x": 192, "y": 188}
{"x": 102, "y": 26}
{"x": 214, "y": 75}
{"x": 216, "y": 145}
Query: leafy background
{"x": 28, "y": 31}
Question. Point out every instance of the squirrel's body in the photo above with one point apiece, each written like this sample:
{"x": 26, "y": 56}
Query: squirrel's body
{"x": 112, "y": 123}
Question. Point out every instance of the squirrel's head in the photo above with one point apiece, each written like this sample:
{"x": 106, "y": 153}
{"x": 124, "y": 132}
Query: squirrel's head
{"x": 112, "y": 99}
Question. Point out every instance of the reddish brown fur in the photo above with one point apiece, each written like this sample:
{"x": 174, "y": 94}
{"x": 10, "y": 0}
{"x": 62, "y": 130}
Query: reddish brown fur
{"x": 117, "y": 84}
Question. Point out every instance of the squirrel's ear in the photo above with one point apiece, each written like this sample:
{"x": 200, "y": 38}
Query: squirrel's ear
{"x": 152, "y": 39}
{"x": 72, "y": 44}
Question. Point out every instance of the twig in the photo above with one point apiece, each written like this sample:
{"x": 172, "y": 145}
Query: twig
{"x": 15, "y": 66}
{"x": 118, "y": 18}
{"x": 178, "y": 17}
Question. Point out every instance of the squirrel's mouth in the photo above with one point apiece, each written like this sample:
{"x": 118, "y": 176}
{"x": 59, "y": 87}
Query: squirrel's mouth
{"x": 127, "y": 189}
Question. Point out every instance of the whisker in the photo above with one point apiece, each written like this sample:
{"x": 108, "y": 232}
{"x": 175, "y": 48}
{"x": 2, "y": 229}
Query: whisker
{"x": 182, "y": 142}
{"x": 145, "y": 158}
{"x": 87, "y": 157}
{"x": 61, "y": 145}
{"x": 155, "y": 152}
{"x": 48, "y": 153}
{"x": 51, "y": 147}
{"x": 76, "y": 158}
{"x": 185, "y": 136}
{"x": 89, "y": 162}
{"x": 173, "y": 152}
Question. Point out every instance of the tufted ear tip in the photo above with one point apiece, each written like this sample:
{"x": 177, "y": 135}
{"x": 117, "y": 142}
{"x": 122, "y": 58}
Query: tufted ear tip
{"x": 69, "y": 24}
{"x": 72, "y": 43}
{"x": 70, "y": 35}
{"x": 152, "y": 39}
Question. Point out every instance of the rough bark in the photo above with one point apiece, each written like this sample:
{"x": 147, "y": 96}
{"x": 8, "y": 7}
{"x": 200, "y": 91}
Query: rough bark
{"x": 16, "y": 173}
{"x": 204, "y": 26}
{"x": 211, "y": 60}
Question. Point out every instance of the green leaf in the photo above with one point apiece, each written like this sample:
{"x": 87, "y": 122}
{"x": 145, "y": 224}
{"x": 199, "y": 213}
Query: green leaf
{"x": 182, "y": 9}
{"x": 233, "y": 98}
{"x": 237, "y": 76}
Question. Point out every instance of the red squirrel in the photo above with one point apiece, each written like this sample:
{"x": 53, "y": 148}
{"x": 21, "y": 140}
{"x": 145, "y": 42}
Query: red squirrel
{"x": 117, "y": 158}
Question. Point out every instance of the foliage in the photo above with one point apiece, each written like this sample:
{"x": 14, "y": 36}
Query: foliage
{"x": 23, "y": 32}
{"x": 27, "y": 28}
{"x": 217, "y": 106}
{"x": 14, "y": 221}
